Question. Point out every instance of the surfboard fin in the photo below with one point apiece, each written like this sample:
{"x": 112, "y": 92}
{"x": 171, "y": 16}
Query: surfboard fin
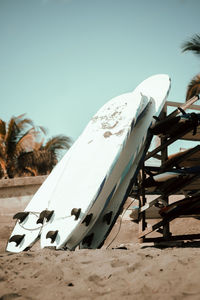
{"x": 76, "y": 212}
{"x": 21, "y": 216}
{"x": 52, "y": 235}
{"x": 17, "y": 239}
{"x": 107, "y": 217}
{"x": 156, "y": 118}
{"x": 87, "y": 219}
{"x": 88, "y": 239}
{"x": 45, "y": 214}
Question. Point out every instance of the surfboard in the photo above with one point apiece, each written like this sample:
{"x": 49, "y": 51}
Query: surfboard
{"x": 186, "y": 206}
{"x": 165, "y": 176}
{"x": 97, "y": 166}
{"x": 186, "y": 158}
{"x": 98, "y": 233}
{"x": 28, "y": 223}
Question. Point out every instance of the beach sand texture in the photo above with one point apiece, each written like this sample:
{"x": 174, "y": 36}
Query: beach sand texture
{"x": 135, "y": 273}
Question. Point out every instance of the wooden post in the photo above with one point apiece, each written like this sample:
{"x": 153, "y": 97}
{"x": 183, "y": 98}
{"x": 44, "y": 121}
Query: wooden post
{"x": 142, "y": 201}
{"x": 164, "y": 157}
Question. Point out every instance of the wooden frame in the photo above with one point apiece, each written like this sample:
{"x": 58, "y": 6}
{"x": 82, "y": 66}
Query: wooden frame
{"x": 163, "y": 225}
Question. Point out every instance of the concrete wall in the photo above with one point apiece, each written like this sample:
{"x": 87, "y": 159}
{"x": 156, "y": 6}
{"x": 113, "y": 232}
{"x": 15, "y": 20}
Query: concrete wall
{"x": 16, "y": 193}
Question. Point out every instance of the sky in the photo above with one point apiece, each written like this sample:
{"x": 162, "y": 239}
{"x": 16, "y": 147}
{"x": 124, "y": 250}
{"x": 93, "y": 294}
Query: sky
{"x": 61, "y": 60}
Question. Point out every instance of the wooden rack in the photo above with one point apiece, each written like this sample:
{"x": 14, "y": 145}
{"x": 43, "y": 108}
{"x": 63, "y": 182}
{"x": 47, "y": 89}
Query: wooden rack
{"x": 187, "y": 186}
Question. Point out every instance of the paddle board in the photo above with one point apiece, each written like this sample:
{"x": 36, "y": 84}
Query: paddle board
{"x": 96, "y": 167}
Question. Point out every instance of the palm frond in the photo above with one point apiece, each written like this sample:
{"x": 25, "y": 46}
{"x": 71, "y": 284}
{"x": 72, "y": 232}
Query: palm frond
{"x": 10, "y": 138}
{"x": 59, "y": 142}
{"x": 25, "y": 143}
{"x": 41, "y": 161}
{"x": 193, "y": 88}
{"x": 23, "y": 125}
{"x": 2, "y": 129}
{"x": 3, "y": 171}
{"x": 2, "y": 151}
{"x": 192, "y": 45}
{"x": 43, "y": 130}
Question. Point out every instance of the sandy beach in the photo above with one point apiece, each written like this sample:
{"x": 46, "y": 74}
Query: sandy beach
{"x": 133, "y": 272}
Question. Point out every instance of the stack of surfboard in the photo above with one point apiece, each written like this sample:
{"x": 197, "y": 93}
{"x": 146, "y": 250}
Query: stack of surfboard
{"x": 80, "y": 200}
{"x": 171, "y": 181}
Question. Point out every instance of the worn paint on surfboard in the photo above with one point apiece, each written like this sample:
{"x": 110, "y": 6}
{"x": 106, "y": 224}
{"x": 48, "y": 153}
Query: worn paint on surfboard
{"x": 98, "y": 233}
{"x": 94, "y": 175}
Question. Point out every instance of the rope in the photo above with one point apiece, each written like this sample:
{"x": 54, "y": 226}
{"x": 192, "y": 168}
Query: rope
{"x": 43, "y": 225}
{"x": 120, "y": 223}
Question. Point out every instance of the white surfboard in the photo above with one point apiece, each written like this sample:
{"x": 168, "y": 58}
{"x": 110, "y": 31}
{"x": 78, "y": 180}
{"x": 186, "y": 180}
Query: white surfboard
{"x": 176, "y": 173}
{"x": 27, "y": 230}
{"x": 98, "y": 233}
{"x": 97, "y": 166}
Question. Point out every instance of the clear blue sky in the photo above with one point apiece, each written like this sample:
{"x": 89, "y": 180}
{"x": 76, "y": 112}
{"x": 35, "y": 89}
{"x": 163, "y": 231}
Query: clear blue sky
{"x": 61, "y": 60}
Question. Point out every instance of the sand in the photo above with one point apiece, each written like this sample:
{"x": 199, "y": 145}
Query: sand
{"x": 136, "y": 272}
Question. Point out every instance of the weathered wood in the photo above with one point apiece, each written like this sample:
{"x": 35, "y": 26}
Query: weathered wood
{"x": 179, "y": 158}
{"x": 170, "y": 187}
{"x": 172, "y": 238}
{"x": 166, "y": 144}
{"x": 142, "y": 202}
{"x": 184, "y": 106}
{"x": 168, "y": 218}
{"x": 153, "y": 214}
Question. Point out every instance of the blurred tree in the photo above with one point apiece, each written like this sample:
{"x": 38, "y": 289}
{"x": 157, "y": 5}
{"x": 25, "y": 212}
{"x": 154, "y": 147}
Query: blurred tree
{"x": 193, "y": 87}
{"x": 42, "y": 160}
{"x": 22, "y": 151}
{"x": 193, "y": 45}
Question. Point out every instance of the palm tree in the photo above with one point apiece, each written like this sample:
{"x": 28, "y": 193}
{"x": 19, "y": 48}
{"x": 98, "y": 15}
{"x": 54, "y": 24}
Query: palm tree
{"x": 22, "y": 151}
{"x": 193, "y": 88}
{"x": 193, "y": 45}
{"x": 43, "y": 159}
{"x": 14, "y": 139}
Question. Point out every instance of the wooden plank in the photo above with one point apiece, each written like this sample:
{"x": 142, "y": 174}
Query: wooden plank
{"x": 153, "y": 214}
{"x": 175, "y": 186}
{"x": 151, "y": 203}
{"x": 178, "y": 104}
{"x": 166, "y": 144}
{"x": 165, "y": 220}
{"x": 173, "y": 238}
{"x": 142, "y": 201}
{"x": 183, "y": 106}
{"x": 178, "y": 158}
{"x": 190, "y": 137}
